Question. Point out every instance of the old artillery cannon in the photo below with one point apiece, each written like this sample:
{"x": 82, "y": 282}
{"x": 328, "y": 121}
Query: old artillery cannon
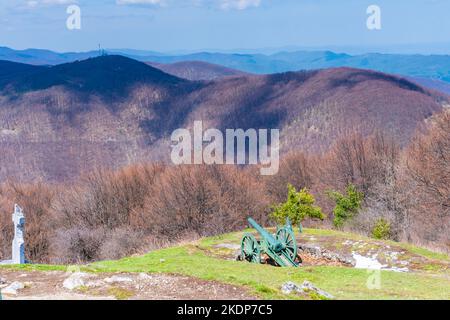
{"x": 281, "y": 248}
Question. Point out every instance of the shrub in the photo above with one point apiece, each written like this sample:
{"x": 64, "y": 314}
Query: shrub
{"x": 382, "y": 230}
{"x": 347, "y": 205}
{"x": 298, "y": 206}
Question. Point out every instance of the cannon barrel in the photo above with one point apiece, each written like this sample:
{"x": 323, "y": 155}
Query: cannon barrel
{"x": 271, "y": 241}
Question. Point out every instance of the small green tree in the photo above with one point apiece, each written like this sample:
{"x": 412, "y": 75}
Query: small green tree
{"x": 347, "y": 205}
{"x": 298, "y": 206}
{"x": 382, "y": 230}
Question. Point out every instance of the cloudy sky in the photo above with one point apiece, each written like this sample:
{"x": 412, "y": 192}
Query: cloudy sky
{"x": 193, "y": 25}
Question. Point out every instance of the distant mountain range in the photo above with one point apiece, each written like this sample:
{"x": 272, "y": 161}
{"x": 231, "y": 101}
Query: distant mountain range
{"x": 435, "y": 67}
{"x": 59, "y": 121}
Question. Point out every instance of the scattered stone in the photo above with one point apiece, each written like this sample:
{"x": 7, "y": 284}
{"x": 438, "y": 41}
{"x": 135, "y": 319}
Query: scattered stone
{"x": 75, "y": 280}
{"x": 95, "y": 283}
{"x": 2, "y": 281}
{"x": 143, "y": 276}
{"x": 118, "y": 279}
{"x": 319, "y": 253}
{"x": 230, "y": 246}
{"x": 13, "y": 288}
{"x": 289, "y": 287}
{"x": 309, "y": 287}
{"x": 306, "y": 288}
{"x": 162, "y": 260}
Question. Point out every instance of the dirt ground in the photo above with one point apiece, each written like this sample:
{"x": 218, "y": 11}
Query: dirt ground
{"x": 49, "y": 286}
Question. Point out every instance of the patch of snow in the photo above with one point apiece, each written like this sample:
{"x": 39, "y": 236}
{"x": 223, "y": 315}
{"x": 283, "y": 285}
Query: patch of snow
{"x": 367, "y": 262}
{"x": 8, "y": 132}
{"x": 372, "y": 263}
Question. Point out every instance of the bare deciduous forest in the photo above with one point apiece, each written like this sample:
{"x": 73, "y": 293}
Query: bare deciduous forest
{"x": 109, "y": 214}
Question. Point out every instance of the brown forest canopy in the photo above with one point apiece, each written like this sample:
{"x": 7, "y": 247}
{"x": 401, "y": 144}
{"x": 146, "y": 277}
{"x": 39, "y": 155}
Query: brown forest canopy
{"x": 59, "y": 126}
{"x": 58, "y": 122}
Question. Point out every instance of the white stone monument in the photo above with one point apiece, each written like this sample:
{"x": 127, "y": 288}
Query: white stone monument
{"x": 18, "y": 244}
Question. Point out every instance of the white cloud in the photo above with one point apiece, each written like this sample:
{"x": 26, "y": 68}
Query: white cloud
{"x": 35, "y": 3}
{"x": 239, "y": 4}
{"x": 151, "y": 2}
{"x": 222, "y": 4}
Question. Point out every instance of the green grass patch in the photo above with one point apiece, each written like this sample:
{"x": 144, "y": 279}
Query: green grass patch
{"x": 120, "y": 293}
{"x": 265, "y": 281}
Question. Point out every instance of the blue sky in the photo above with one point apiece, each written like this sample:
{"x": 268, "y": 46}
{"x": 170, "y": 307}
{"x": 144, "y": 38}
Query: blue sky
{"x": 193, "y": 25}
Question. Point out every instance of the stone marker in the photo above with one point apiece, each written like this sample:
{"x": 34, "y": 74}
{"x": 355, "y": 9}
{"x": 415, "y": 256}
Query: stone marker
{"x": 18, "y": 244}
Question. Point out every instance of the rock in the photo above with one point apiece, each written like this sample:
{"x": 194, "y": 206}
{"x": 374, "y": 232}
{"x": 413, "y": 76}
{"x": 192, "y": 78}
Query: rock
{"x": 230, "y": 246}
{"x": 95, "y": 283}
{"x": 2, "y": 281}
{"x": 318, "y": 252}
{"x": 309, "y": 287}
{"x": 306, "y": 288}
{"x": 290, "y": 287}
{"x": 116, "y": 279}
{"x": 13, "y": 288}
{"x": 75, "y": 280}
{"x": 143, "y": 276}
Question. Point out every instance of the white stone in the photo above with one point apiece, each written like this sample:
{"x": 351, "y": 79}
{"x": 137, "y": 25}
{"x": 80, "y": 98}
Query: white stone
{"x": 144, "y": 276}
{"x": 305, "y": 288}
{"x": 13, "y": 288}
{"x": 75, "y": 280}
{"x": 115, "y": 279}
{"x": 308, "y": 287}
{"x": 289, "y": 287}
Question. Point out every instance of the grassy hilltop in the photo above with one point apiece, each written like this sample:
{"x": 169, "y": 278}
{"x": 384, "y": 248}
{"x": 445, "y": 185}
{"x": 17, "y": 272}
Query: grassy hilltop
{"x": 211, "y": 259}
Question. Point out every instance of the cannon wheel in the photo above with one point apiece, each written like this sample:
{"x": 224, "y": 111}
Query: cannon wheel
{"x": 250, "y": 250}
{"x": 287, "y": 238}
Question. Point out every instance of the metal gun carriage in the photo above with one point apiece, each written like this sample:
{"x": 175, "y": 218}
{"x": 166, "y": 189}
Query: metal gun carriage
{"x": 281, "y": 248}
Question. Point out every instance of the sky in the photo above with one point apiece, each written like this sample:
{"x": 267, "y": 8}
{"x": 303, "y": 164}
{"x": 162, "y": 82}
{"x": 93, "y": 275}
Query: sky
{"x": 414, "y": 26}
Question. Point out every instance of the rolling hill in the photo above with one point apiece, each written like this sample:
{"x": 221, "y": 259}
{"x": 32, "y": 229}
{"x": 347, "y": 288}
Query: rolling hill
{"x": 411, "y": 65}
{"x": 196, "y": 70}
{"x": 57, "y": 122}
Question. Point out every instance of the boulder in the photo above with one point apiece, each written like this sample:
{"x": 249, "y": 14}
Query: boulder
{"x": 306, "y": 288}
{"x": 290, "y": 287}
{"x": 13, "y": 288}
{"x": 118, "y": 279}
{"x": 75, "y": 280}
{"x": 144, "y": 277}
{"x": 309, "y": 287}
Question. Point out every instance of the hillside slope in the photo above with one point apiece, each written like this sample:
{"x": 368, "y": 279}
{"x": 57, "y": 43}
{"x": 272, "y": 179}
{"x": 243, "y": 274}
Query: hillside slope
{"x": 196, "y": 70}
{"x": 210, "y": 264}
{"x": 57, "y": 122}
